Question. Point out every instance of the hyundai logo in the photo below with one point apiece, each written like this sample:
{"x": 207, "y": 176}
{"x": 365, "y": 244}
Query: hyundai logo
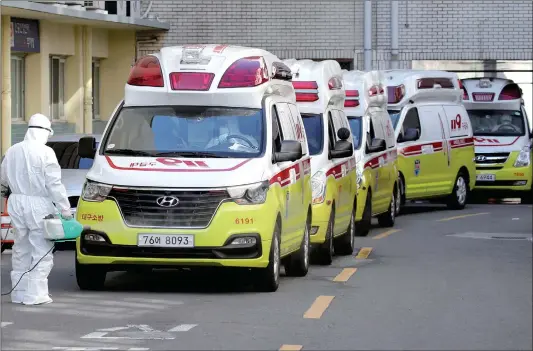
{"x": 480, "y": 158}
{"x": 167, "y": 201}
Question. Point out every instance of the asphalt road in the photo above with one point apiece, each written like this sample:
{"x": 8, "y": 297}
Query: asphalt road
{"x": 439, "y": 280}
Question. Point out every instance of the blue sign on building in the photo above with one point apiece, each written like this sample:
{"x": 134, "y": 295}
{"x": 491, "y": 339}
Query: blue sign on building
{"x": 25, "y": 35}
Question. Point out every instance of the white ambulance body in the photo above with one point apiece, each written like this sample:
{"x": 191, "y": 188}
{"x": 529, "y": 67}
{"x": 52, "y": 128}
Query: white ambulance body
{"x": 204, "y": 163}
{"x": 377, "y": 173}
{"x": 502, "y": 135}
{"x": 434, "y": 135}
{"x": 320, "y": 99}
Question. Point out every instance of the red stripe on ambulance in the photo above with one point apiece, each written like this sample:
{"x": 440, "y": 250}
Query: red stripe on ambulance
{"x": 413, "y": 150}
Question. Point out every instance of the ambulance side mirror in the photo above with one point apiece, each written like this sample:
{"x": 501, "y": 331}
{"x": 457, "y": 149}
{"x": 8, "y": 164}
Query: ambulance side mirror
{"x": 87, "y": 147}
{"x": 342, "y": 149}
{"x": 377, "y": 145}
{"x": 290, "y": 151}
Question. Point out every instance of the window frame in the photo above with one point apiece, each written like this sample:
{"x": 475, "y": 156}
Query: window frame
{"x": 21, "y": 86}
{"x": 96, "y": 88}
{"x": 61, "y": 117}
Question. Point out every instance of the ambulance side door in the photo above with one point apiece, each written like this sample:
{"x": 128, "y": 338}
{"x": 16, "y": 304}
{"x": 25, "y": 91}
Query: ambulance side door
{"x": 344, "y": 186}
{"x": 293, "y": 188}
{"x": 381, "y": 190}
{"x": 390, "y": 160}
{"x": 434, "y": 167}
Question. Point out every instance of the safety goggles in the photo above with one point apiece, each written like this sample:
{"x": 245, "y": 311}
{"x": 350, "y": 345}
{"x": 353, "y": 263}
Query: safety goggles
{"x": 48, "y": 129}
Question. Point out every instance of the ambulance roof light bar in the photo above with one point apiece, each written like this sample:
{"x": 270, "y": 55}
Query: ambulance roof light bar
{"x": 306, "y": 91}
{"x": 430, "y": 83}
{"x": 352, "y": 98}
{"x": 146, "y": 72}
{"x": 246, "y": 72}
{"x": 376, "y": 90}
{"x": 335, "y": 83}
{"x": 395, "y": 93}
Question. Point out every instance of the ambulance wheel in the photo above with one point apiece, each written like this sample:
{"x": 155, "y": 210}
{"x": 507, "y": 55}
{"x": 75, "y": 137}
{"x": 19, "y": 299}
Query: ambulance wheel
{"x": 326, "y": 250}
{"x": 267, "y": 279}
{"x": 459, "y": 195}
{"x": 363, "y": 227}
{"x": 388, "y": 218}
{"x": 90, "y": 277}
{"x": 297, "y": 264}
{"x": 346, "y": 243}
{"x": 400, "y": 197}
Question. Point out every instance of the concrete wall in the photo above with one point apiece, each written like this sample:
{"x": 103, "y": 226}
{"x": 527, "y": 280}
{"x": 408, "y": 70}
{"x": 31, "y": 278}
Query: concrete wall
{"x": 429, "y": 30}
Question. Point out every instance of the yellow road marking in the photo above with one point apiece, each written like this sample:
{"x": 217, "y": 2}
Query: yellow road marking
{"x": 318, "y": 307}
{"x": 463, "y": 216}
{"x": 386, "y": 234}
{"x": 364, "y": 252}
{"x": 345, "y": 275}
{"x": 290, "y": 348}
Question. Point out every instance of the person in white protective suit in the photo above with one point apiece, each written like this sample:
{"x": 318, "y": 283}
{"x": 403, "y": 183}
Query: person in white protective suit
{"x": 31, "y": 171}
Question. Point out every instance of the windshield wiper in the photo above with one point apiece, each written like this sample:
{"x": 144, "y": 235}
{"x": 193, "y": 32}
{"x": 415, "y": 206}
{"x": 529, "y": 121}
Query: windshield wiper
{"x": 129, "y": 152}
{"x": 191, "y": 154}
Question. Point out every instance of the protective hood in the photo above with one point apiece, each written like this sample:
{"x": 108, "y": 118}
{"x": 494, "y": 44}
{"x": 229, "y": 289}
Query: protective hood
{"x": 39, "y": 129}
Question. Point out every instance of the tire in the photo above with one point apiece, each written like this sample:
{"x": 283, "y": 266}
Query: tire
{"x": 326, "y": 250}
{"x": 297, "y": 264}
{"x": 363, "y": 227}
{"x": 400, "y": 201}
{"x": 267, "y": 279}
{"x": 459, "y": 196}
{"x": 346, "y": 243}
{"x": 388, "y": 218}
{"x": 90, "y": 277}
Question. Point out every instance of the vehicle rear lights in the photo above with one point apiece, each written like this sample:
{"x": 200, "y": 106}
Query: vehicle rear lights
{"x": 146, "y": 72}
{"x": 191, "y": 80}
{"x": 244, "y": 240}
{"x": 352, "y": 98}
{"x": 511, "y": 92}
{"x": 351, "y": 103}
{"x": 335, "y": 83}
{"x": 429, "y": 83}
{"x": 245, "y": 73}
{"x": 306, "y": 97}
{"x": 465, "y": 93}
{"x": 375, "y": 90}
{"x": 395, "y": 94}
{"x": 483, "y": 96}
{"x": 305, "y": 85}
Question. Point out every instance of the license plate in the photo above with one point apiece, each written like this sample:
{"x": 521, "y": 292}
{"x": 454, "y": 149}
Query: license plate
{"x": 486, "y": 177}
{"x": 165, "y": 240}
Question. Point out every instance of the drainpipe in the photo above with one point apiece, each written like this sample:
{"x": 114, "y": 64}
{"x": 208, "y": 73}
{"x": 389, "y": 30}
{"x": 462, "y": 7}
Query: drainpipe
{"x": 394, "y": 34}
{"x": 368, "y": 35}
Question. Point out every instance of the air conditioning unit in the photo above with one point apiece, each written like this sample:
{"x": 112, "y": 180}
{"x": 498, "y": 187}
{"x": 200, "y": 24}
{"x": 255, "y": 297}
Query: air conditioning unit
{"x": 97, "y": 6}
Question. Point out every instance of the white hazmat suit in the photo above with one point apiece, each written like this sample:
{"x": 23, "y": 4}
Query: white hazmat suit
{"x": 32, "y": 172}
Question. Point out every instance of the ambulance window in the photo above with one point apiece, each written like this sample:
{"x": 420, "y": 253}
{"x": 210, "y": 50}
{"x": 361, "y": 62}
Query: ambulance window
{"x": 315, "y": 132}
{"x": 277, "y": 133}
{"x": 497, "y": 122}
{"x": 356, "y": 130}
{"x": 412, "y": 121}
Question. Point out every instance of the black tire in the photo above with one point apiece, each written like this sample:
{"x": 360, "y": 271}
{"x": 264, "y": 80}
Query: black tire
{"x": 363, "y": 227}
{"x": 458, "y": 198}
{"x": 326, "y": 251}
{"x": 90, "y": 277}
{"x": 400, "y": 196}
{"x": 297, "y": 264}
{"x": 345, "y": 244}
{"x": 267, "y": 279}
{"x": 388, "y": 218}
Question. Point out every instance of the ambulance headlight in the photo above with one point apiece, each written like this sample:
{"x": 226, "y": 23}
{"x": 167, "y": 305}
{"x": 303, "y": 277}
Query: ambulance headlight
{"x": 318, "y": 184}
{"x": 524, "y": 157}
{"x": 252, "y": 194}
{"x": 95, "y": 192}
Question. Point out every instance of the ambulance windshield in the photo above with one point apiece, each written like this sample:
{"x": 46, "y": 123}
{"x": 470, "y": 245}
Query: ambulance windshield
{"x": 497, "y": 122}
{"x": 314, "y": 132}
{"x": 356, "y": 129}
{"x": 187, "y": 131}
{"x": 395, "y": 117}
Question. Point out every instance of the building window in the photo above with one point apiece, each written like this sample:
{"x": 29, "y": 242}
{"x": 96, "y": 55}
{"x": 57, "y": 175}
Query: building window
{"x": 17, "y": 87}
{"x": 57, "y": 88}
{"x": 96, "y": 89}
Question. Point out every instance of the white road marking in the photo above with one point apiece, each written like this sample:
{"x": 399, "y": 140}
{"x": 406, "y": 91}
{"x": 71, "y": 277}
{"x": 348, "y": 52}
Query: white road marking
{"x": 516, "y": 219}
{"x": 98, "y": 348}
{"x": 182, "y": 328}
{"x": 113, "y": 329}
{"x": 138, "y": 332}
{"x": 5, "y": 324}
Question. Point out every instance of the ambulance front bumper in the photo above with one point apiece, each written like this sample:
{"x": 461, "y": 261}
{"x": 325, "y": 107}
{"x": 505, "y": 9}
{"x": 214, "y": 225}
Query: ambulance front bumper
{"x": 504, "y": 179}
{"x": 319, "y": 225}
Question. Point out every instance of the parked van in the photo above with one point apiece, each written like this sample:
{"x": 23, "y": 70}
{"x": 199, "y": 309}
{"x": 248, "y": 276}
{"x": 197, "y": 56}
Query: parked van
{"x": 434, "y": 135}
{"x": 502, "y": 136}
{"x": 204, "y": 163}
{"x": 375, "y": 149}
{"x": 320, "y": 99}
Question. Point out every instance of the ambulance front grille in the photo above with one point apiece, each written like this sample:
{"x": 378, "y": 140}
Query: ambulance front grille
{"x": 491, "y": 158}
{"x": 140, "y": 207}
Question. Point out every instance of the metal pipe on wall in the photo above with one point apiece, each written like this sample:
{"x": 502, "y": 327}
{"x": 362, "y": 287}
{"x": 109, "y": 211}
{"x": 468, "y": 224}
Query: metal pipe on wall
{"x": 368, "y": 35}
{"x": 394, "y": 29}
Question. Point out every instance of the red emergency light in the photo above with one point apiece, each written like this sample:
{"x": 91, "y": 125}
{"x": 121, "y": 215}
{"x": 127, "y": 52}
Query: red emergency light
{"x": 147, "y": 73}
{"x": 307, "y": 96}
{"x": 429, "y": 83}
{"x": 395, "y": 93}
{"x": 335, "y": 83}
{"x": 305, "y": 85}
{"x": 510, "y": 92}
{"x": 198, "y": 81}
{"x": 465, "y": 93}
{"x": 352, "y": 98}
{"x": 375, "y": 90}
{"x": 245, "y": 73}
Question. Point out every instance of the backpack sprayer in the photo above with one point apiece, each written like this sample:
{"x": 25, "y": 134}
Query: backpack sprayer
{"x": 56, "y": 229}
